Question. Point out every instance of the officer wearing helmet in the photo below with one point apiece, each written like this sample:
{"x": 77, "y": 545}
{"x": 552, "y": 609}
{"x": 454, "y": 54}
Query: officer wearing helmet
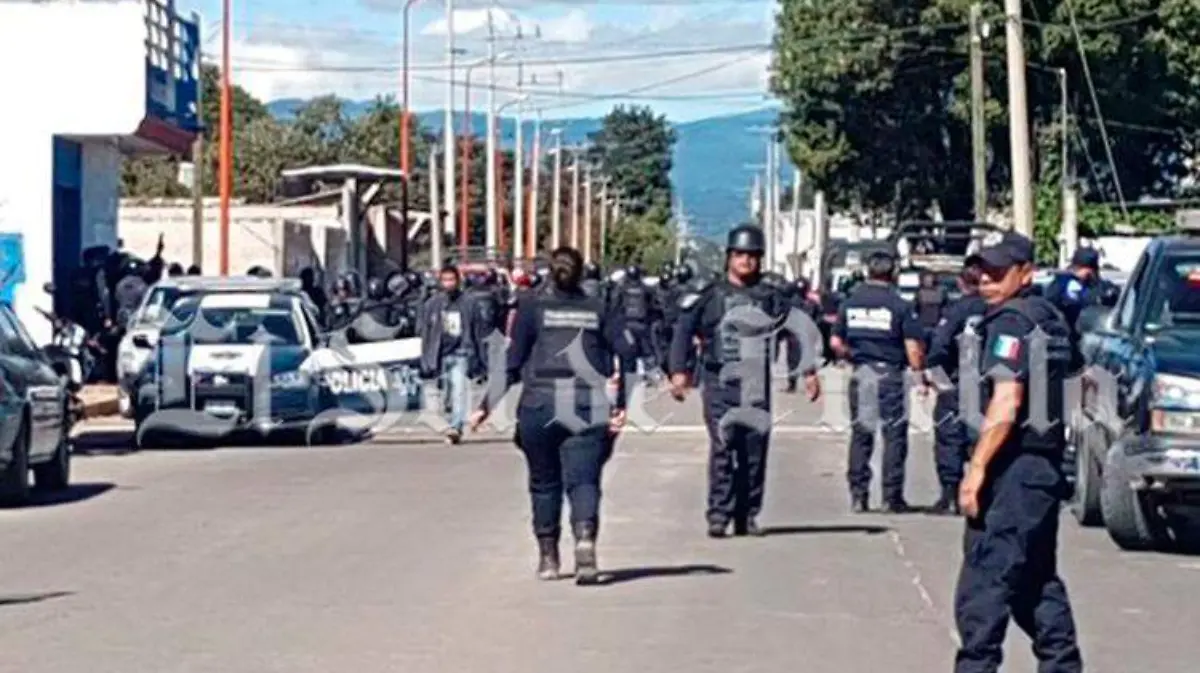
{"x": 879, "y": 333}
{"x": 592, "y": 284}
{"x": 735, "y": 320}
{"x": 636, "y": 302}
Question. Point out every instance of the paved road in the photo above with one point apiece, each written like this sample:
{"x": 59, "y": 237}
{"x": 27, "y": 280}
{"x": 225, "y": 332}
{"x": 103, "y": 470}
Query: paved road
{"x": 403, "y": 555}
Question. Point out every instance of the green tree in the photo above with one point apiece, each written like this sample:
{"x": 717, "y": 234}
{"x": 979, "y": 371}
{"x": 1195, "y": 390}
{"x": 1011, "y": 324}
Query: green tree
{"x": 875, "y": 96}
{"x": 633, "y": 148}
{"x": 641, "y": 239}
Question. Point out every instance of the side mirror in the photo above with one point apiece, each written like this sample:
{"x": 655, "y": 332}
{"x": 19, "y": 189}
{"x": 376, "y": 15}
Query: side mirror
{"x": 1093, "y": 318}
{"x": 48, "y": 288}
{"x": 142, "y": 341}
{"x": 1110, "y": 295}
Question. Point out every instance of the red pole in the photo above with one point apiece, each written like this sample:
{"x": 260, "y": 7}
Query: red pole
{"x": 226, "y": 130}
{"x": 464, "y": 231}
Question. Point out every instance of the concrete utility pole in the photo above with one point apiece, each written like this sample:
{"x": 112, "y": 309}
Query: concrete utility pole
{"x": 575, "y": 198}
{"x": 556, "y": 201}
{"x": 603, "y": 219}
{"x": 978, "y": 123}
{"x": 448, "y": 132}
{"x": 491, "y": 227}
{"x": 1070, "y": 200}
{"x": 772, "y": 209}
{"x": 198, "y": 171}
{"x": 518, "y": 250}
{"x": 535, "y": 182}
{"x": 435, "y": 219}
{"x": 797, "y": 188}
{"x": 587, "y": 214}
{"x": 1018, "y": 123}
{"x": 820, "y": 238}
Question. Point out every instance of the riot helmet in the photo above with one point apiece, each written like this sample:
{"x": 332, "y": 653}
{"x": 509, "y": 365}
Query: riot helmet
{"x": 746, "y": 238}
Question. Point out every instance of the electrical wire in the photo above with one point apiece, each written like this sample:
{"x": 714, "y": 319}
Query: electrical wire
{"x": 1087, "y": 74}
{"x": 250, "y": 65}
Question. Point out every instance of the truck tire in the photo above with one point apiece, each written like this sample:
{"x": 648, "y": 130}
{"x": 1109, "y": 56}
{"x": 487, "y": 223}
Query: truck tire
{"x": 14, "y": 480}
{"x": 1085, "y": 504}
{"x": 1131, "y": 523}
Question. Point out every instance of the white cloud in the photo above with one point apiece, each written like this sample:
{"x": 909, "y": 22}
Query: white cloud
{"x": 279, "y": 61}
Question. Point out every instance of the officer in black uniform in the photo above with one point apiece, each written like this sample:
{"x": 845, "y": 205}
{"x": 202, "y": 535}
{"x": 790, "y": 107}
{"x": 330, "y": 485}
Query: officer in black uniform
{"x": 565, "y": 339}
{"x": 736, "y": 320}
{"x": 592, "y": 285}
{"x": 878, "y": 332}
{"x": 635, "y": 302}
{"x": 952, "y": 345}
{"x": 1014, "y": 486}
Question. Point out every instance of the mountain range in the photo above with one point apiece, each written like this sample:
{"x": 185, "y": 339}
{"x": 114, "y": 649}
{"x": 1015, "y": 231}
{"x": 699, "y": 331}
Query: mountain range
{"x": 714, "y": 164}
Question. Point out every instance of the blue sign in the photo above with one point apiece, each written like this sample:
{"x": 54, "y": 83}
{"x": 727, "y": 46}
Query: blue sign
{"x": 172, "y": 67}
{"x": 12, "y": 264}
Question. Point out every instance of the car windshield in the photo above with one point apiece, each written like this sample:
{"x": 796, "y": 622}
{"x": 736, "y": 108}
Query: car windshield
{"x": 1174, "y": 300}
{"x": 158, "y": 306}
{"x": 233, "y": 325}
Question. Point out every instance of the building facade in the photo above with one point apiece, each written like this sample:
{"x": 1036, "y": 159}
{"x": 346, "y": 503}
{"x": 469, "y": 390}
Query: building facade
{"x": 95, "y": 82}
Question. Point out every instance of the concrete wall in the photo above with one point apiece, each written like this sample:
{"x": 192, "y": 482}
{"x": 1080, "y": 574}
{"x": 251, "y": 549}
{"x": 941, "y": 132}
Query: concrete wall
{"x": 284, "y": 239}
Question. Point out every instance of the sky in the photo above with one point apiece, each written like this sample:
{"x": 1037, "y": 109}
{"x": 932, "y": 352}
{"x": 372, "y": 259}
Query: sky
{"x": 352, "y": 48}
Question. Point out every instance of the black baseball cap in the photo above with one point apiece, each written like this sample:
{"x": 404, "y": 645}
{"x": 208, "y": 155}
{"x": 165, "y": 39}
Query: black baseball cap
{"x": 1088, "y": 258}
{"x": 1011, "y": 249}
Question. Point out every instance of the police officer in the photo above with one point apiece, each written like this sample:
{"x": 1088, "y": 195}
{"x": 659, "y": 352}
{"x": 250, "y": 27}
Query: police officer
{"x": 635, "y": 302}
{"x": 878, "y": 332}
{"x": 592, "y": 285}
{"x": 931, "y": 302}
{"x": 735, "y": 320}
{"x": 555, "y": 336}
{"x": 486, "y": 318}
{"x": 1013, "y": 487}
{"x": 956, "y": 327}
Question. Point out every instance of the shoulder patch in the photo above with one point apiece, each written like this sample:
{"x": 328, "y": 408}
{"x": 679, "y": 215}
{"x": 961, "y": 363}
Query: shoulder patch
{"x": 1007, "y": 347}
{"x": 689, "y": 300}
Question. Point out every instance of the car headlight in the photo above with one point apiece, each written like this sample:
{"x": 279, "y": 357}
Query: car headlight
{"x": 1175, "y": 405}
{"x": 290, "y": 380}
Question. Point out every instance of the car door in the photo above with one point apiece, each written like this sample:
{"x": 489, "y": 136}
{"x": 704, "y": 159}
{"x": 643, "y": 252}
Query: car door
{"x": 1128, "y": 361}
{"x": 34, "y": 376}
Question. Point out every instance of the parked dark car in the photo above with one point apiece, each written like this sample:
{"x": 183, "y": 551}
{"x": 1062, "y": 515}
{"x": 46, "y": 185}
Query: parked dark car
{"x": 35, "y": 426}
{"x": 1137, "y": 443}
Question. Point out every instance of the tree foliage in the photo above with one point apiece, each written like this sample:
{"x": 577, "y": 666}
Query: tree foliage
{"x": 876, "y": 97}
{"x": 634, "y": 149}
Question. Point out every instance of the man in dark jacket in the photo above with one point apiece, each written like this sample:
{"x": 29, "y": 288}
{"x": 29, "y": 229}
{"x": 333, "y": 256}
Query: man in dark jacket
{"x": 447, "y": 348}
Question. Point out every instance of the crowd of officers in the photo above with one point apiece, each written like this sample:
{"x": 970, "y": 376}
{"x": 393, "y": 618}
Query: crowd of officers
{"x": 1004, "y": 474}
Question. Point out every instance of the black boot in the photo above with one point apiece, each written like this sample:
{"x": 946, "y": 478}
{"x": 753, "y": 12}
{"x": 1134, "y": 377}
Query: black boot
{"x": 548, "y": 561}
{"x": 947, "y": 505}
{"x": 586, "y": 571}
{"x": 860, "y": 503}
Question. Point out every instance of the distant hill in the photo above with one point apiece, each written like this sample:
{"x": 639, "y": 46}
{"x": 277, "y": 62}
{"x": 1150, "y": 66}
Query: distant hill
{"x": 715, "y": 159}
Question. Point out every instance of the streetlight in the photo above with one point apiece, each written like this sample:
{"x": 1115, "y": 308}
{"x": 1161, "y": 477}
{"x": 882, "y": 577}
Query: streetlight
{"x": 492, "y": 186}
{"x": 468, "y": 138}
{"x": 405, "y": 158}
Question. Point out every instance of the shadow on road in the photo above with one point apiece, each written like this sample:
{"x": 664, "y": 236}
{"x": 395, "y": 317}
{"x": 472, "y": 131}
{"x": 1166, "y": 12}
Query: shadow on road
{"x": 621, "y": 575}
{"x": 817, "y": 529}
{"x": 27, "y": 599}
{"x": 104, "y": 443}
{"x": 72, "y": 494}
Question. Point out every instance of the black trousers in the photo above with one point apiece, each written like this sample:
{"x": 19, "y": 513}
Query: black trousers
{"x": 738, "y": 435}
{"x": 562, "y": 463}
{"x": 950, "y": 437}
{"x": 877, "y": 398}
{"x": 1010, "y": 570}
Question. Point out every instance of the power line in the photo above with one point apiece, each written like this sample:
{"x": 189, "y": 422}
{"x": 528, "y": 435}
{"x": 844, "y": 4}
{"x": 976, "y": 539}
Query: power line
{"x": 251, "y": 65}
{"x": 1101, "y": 25}
{"x": 1087, "y": 74}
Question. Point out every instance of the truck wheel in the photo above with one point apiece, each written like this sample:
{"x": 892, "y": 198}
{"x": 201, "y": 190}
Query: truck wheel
{"x": 1085, "y": 504}
{"x": 1131, "y": 522}
{"x": 55, "y": 474}
{"x": 14, "y": 480}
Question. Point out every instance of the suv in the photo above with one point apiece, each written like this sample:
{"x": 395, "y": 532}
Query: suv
{"x": 1136, "y": 443}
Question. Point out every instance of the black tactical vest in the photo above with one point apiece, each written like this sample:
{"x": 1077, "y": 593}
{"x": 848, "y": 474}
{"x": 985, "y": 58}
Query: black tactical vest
{"x": 569, "y": 343}
{"x": 637, "y": 303}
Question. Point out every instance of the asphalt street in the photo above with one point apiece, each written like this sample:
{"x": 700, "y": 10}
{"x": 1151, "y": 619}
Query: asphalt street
{"x": 404, "y": 554}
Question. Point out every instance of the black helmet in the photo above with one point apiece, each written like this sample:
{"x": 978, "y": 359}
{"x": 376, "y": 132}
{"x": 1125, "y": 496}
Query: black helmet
{"x": 668, "y": 269}
{"x": 376, "y": 289}
{"x": 258, "y": 271}
{"x": 633, "y": 272}
{"x": 683, "y": 273}
{"x": 746, "y": 238}
{"x": 591, "y": 271}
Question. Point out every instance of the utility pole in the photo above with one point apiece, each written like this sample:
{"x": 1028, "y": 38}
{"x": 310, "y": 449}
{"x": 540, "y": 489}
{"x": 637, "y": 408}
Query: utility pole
{"x": 978, "y": 123}
{"x": 556, "y": 201}
{"x": 535, "y": 183}
{"x": 772, "y": 206}
{"x": 198, "y": 169}
{"x": 1018, "y": 123}
{"x": 603, "y": 219}
{"x": 575, "y": 198}
{"x": 492, "y": 213}
{"x": 587, "y": 214}
{"x": 1070, "y": 200}
{"x": 449, "y": 125}
{"x": 435, "y": 218}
